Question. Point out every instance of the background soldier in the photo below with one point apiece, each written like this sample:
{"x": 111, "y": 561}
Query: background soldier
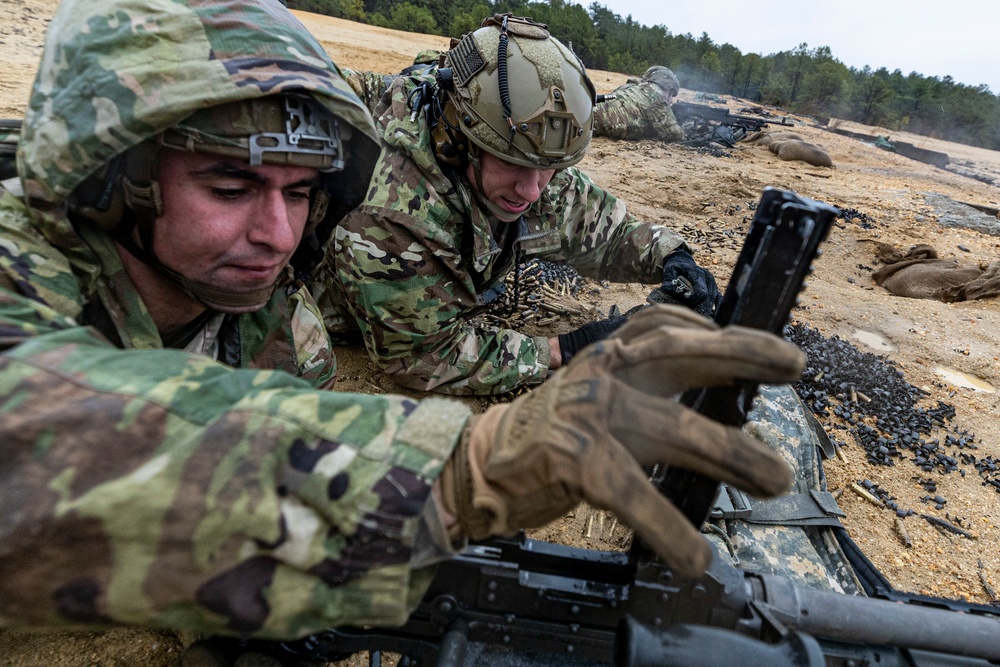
{"x": 640, "y": 109}
{"x": 171, "y": 457}
{"x": 423, "y": 61}
{"x": 370, "y": 86}
{"x": 476, "y": 174}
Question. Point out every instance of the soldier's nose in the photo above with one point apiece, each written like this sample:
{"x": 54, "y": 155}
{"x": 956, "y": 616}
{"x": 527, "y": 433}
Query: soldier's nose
{"x": 530, "y": 184}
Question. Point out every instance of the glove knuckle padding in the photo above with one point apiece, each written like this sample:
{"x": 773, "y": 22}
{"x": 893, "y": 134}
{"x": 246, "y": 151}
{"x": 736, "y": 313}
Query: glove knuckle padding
{"x": 659, "y": 430}
{"x": 669, "y": 361}
{"x": 587, "y": 431}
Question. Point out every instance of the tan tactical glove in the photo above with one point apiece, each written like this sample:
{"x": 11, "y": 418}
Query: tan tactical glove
{"x": 587, "y": 431}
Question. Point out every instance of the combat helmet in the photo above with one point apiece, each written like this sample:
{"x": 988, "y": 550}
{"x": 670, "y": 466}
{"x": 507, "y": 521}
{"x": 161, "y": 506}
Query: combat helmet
{"x": 517, "y": 93}
{"x": 663, "y": 78}
{"x": 283, "y": 129}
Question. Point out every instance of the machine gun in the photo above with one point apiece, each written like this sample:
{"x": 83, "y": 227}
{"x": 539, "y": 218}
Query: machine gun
{"x": 525, "y": 601}
{"x": 777, "y": 255}
{"x": 701, "y": 114}
{"x": 702, "y": 123}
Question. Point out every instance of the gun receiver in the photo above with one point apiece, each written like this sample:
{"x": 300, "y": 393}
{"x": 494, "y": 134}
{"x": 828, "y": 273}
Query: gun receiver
{"x": 527, "y": 602}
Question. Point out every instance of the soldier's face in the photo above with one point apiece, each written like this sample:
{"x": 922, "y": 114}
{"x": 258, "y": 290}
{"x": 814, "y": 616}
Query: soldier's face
{"x": 228, "y": 224}
{"x": 510, "y": 187}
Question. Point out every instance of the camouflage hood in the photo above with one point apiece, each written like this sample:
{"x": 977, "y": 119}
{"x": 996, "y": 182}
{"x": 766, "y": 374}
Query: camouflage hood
{"x": 116, "y": 72}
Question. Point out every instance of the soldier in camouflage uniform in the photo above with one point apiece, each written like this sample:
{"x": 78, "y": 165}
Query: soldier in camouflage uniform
{"x": 476, "y": 174}
{"x": 369, "y": 86}
{"x": 172, "y": 455}
{"x": 640, "y": 109}
{"x": 427, "y": 57}
{"x": 423, "y": 62}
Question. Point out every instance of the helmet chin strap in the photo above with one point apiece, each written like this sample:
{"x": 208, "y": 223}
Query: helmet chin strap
{"x": 477, "y": 169}
{"x": 213, "y": 298}
{"x": 220, "y": 300}
{"x": 496, "y": 211}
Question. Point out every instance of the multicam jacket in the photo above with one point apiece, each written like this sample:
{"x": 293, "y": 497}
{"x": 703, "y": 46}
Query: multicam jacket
{"x": 638, "y": 110}
{"x": 417, "y": 259}
{"x": 369, "y": 86}
{"x": 154, "y": 486}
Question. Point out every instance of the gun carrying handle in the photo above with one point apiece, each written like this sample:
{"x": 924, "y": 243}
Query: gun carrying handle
{"x": 682, "y": 645}
{"x": 780, "y": 245}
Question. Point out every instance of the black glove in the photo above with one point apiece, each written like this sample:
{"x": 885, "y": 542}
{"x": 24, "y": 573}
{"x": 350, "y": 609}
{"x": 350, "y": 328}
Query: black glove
{"x": 688, "y": 284}
{"x": 574, "y": 341}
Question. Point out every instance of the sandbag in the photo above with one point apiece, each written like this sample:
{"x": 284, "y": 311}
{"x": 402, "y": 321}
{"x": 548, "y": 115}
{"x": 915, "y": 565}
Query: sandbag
{"x": 794, "y": 535}
{"x": 920, "y": 274}
{"x": 767, "y": 137}
{"x": 802, "y": 151}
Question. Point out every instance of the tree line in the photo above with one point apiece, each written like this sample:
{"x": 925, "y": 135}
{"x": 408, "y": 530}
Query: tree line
{"x": 802, "y": 80}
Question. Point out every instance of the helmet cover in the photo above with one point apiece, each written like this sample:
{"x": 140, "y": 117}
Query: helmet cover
{"x": 520, "y": 94}
{"x": 663, "y": 78}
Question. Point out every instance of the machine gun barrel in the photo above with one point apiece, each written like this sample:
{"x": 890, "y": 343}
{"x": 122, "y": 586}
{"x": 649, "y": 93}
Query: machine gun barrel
{"x": 848, "y": 618}
{"x": 702, "y": 114}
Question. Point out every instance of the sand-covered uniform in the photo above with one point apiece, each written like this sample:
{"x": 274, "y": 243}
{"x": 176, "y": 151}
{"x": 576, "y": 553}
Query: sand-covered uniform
{"x": 637, "y": 110}
{"x": 220, "y": 487}
{"x": 421, "y": 254}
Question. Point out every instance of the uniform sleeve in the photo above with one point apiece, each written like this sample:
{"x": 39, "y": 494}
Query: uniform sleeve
{"x": 620, "y": 117}
{"x": 369, "y": 86}
{"x": 601, "y": 239}
{"x": 663, "y": 122}
{"x": 159, "y": 488}
{"x": 637, "y": 112}
{"x": 411, "y": 297}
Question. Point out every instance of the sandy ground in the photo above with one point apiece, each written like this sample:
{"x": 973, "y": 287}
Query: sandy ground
{"x": 945, "y": 349}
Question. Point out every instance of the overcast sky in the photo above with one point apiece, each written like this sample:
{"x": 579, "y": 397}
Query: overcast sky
{"x": 960, "y": 38}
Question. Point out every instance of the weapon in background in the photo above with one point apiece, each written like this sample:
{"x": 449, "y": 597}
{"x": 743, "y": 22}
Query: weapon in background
{"x": 507, "y": 602}
{"x": 702, "y": 113}
{"x": 703, "y": 123}
{"x": 10, "y": 135}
